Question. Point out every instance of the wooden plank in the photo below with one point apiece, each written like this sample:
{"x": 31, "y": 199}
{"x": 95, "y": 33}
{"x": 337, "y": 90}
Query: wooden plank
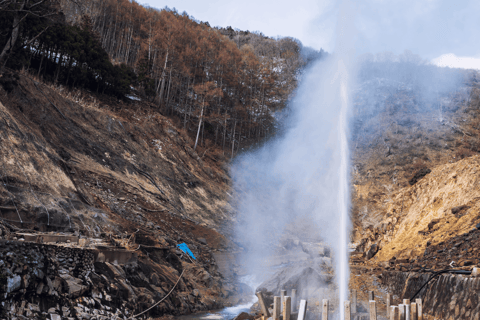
{"x": 276, "y": 307}
{"x": 354, "y": 301}
{"x": 294, "y": 300}
{"x": 401, "y": 311}
{"x": 419, "y": 309}
{"x": 394, "y": 315}
{"x": 348, "y": 313}
{"x": 287, "y": 307}
{"x": 302, "y": 310}
{"x": 373, "y": 309}
{"x": 389, "y": 303}
{"x": 407, "y": 312}
{"x": 325, "y": 309}
{"x": 283, "y": 293}
{"x": 264, "y": 307}
{"x": 413, "y": 311}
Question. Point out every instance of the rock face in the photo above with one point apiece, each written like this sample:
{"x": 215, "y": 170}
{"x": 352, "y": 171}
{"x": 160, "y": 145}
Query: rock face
{"x": 52, "y": 278}
{"x": 120, "y": 174}
{"x": 419, "y": 175}
{"x": 439, "y": 207}
{"x": 306, "y": 280}
{"x": 244, "y": 316}
{"x": 448, "y": 297}
{"x": 372, "y": 251}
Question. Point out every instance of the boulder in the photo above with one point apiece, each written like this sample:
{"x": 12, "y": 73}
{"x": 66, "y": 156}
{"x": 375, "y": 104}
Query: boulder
{"x": 154, "y": 279}
{"x": 460, "y": 210}
{"x": 54, "y": 316}
{"x": 14, "y": 283}
{"x": 304, "y": 279}
{"x": 419, "y": 175}
{"x": 372, "y": 251}
{"x": 40, "y": 288}
{"x": 74, "y": 286}
{"x": 244, "y": 316}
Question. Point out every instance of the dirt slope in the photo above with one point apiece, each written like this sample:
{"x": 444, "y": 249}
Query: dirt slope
{"x": 106, "y": 158}
{"x": 120, "y": 173}
{"x": 441, "y": 205}
{"x": 403, "y": 138}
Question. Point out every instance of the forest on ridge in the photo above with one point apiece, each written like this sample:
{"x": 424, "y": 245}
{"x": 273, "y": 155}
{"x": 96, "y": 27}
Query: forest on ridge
{"x": 222, "y": 85}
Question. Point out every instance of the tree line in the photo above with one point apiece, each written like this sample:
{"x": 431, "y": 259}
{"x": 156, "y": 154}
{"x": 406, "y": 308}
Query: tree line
{"x": 37, "y": 38}
{"x": 224, "y": 85}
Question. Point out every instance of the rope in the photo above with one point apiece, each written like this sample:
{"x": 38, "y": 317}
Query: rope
{"x": 156, "y": 304}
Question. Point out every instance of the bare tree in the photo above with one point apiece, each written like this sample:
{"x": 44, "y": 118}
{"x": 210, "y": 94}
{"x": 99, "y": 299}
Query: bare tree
{"x": 20, "y": 10}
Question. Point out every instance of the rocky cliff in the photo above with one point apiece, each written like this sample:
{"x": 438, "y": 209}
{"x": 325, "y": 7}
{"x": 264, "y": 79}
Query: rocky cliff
{"x": 116, "y": 176}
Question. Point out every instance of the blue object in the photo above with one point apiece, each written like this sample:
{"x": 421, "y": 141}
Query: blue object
{"x": 184, "y": 248}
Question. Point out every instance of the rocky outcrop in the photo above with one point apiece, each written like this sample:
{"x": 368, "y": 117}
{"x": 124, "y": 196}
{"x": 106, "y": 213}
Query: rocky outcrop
{"x": 38, "y": 280}
{"x": 111, "y": 172}
{"x": 446, "y": 297}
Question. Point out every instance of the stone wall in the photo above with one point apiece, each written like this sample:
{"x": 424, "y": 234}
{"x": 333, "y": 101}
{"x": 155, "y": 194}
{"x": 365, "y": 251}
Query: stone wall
{"x": 446, "y": 297}
{"x": 45, "y": 274}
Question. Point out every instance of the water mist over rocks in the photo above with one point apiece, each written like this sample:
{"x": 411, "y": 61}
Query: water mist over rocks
{"x": 294, "y": 192}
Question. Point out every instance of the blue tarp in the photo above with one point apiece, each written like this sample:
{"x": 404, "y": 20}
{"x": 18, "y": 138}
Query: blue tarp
{"x": 184, "y": 248}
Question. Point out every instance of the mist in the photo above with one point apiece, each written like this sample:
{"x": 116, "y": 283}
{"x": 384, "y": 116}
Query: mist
{"x": 297, "y": 186}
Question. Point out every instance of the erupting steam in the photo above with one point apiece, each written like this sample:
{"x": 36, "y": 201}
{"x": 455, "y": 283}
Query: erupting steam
{"x": 303, "y": 175}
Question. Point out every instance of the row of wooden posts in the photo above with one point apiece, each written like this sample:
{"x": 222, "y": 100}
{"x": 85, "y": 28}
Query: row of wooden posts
{"x": 286, "y": 306}
{"x": 406, "y": 311}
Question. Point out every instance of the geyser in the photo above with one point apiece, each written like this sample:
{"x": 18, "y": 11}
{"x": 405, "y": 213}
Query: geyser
{"x": 303, "y": 174}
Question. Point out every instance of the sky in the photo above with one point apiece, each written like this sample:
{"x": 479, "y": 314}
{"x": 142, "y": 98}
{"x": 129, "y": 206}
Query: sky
{"x": 446, "y": 32}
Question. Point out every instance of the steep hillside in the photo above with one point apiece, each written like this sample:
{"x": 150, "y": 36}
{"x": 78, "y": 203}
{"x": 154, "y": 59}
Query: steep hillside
{"x": 440, "y": 206}
{"x": 117, "y": 174}
{"x": 408, "y": 183}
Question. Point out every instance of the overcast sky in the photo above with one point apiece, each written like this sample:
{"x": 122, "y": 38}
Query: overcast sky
{"x": 430, "y": 28}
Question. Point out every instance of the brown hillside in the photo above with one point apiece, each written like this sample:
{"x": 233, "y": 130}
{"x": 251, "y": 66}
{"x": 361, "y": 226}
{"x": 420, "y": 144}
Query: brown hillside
{"x": 397, "y": 204}
{"x": 120, "y": 175}
{"x": 441, "y": 205}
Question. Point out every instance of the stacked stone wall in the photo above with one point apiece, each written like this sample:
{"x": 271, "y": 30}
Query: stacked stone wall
{"x": 448, "y": 296}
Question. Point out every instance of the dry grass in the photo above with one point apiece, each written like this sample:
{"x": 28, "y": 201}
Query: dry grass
{"x": 432, "y": 198}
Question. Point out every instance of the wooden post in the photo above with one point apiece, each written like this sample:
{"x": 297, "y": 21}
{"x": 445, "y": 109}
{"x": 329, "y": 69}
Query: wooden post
{"x": 401, "y": 311}
{"x": 413, "y": 311}
{"x": 348, "y": 314}
{"x": 419, "y": 309}
{"x": 276, "y": 308}
{"x": 373, "y": 310}
{"x": 283, "y": 293}
{"x": 264, "y": 307}
{"x": 294, "y": 300}
{"x": 406, "y": 301}
{"x": 394, "y": 313}
{"x": 354, "y": 301}
{"x": 287, "y": 307}
{"x": 325, "y": 310}
{"x": 302, "y": 310}
{"x": 371, "y": 295}
{"x": 389, "y": 303}
{"x": 407, "y": 312}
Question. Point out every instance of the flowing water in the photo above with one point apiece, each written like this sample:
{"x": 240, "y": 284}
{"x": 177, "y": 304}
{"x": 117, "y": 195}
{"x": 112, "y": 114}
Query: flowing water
{"x": 230, "y": 312}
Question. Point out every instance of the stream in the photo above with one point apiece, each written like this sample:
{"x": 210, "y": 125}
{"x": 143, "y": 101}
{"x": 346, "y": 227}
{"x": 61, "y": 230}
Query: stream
{"x": 230, "y": 312}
